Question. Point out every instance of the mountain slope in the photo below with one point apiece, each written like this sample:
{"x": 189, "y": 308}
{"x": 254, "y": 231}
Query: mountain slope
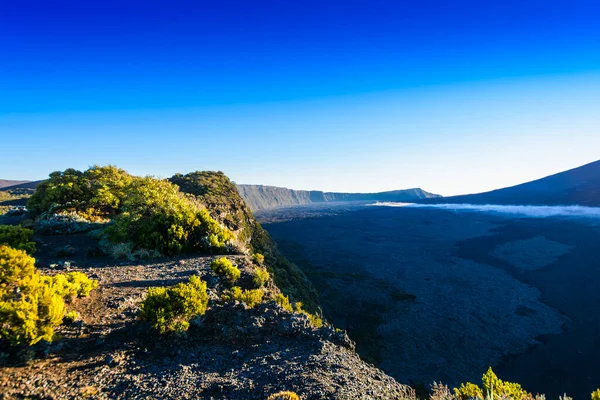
{"x": 578, "y": 186}
{"x": 260, "y": 197}
{"x": 6, "y": 184}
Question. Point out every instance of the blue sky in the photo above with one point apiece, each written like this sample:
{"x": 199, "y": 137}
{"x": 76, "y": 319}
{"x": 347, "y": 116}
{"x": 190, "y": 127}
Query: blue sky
{"x": 451, "y": 96}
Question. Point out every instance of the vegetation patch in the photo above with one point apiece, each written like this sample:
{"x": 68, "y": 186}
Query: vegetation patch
{"x": 260, "y": 276}
{"x": 32, "y": 305}
{"x": 224, "y": 268}
{"x": 171, "y": 309}
{"x": 251, "y": 297}
{"x": 17, "y": 238}
{"x": 285, "y": 395}
{"x": 492, "y": 387}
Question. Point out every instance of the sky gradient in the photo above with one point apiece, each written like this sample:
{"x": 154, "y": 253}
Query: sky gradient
{"x": 451, "y": 96}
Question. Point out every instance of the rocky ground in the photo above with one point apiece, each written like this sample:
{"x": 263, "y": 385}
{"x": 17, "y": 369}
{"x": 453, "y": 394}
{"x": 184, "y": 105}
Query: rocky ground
{"x": 233, "y": 352}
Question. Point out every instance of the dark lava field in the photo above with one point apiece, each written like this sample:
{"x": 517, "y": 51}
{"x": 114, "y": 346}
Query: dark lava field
{"x": 439, "y": 295}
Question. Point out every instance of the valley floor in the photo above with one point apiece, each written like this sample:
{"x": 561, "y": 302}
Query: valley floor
{"x": 434, "y": 295}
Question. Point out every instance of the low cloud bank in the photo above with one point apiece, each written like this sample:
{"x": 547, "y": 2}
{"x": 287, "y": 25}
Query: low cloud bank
{"x": 514, "y": 210}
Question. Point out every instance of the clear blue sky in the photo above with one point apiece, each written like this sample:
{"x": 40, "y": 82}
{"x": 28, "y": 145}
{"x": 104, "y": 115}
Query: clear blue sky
{"x": 341, "y": 95}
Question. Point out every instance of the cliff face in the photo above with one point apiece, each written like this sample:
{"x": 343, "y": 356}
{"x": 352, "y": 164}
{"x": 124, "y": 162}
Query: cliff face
{"x": 259, "y": 197}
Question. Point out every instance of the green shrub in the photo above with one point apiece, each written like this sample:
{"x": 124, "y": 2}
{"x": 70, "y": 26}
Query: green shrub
{"x": 71, "y": 284}
{"x": 15, "y": 266}
{"x": 493, "y": 387}
{"x": 171, "y": 309}
{"x": 71, "y": 317}
{"x": 260, "y": 276}
{"x": 596, "y": 394}
{"x": 285, "y": 395}
{"x": 249, "y": 297}
{"x": 468, "y": 391}
{"x": 284, "y": 302}
{"x": 94, "y": 194}
{"x": 17, "y": 238}
{"x": 30, "y": 304}
{"x": 223, "y": 267}
{"x": 258, "y": 258}
{"x": 156, "y": 216}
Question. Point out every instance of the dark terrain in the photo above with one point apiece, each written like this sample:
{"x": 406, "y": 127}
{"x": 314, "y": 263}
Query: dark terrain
{"x": 432, "y": 294}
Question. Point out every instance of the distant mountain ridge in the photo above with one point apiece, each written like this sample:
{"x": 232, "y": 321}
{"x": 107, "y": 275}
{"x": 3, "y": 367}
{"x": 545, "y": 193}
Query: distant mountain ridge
{"x": 578, "y": 186}
{"x": 6, "y": 184}
{"x": 260, "y": 197}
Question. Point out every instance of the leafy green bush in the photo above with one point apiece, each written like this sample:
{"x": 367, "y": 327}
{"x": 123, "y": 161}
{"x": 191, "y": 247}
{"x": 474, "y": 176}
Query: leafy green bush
{"x": 249, "y": 297}
{"x": 285, "y": 395}
{"x": 223, "y": 267}
{"x": 284, "y": 302}
{"x": 596, "y": 394}
{"x": 258, "y": 258}
{"x": 260, "y": 276}
{"x": 17, "y": 238}
{"x": 156, "y": 216}
{"x": 30, "y": 304}
{"x": 493, "y": 387}
{"x": 93, "y": 194}
{"x": 171, "y": 309}
{"x": 71, "y": 284}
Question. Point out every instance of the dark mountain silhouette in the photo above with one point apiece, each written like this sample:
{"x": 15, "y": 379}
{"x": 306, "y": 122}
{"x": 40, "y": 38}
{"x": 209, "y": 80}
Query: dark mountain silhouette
{"x": 578, "y": 186}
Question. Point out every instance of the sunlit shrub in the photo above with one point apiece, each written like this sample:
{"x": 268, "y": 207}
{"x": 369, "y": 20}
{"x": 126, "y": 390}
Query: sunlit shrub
{"x": 249, "y": 297}
{"x": 171, "y": 309}
{"x": 71, "y": 284}
{"x": 94, "y": 193}
{"x": 30, "y": 304}
{"x": 71, "y": 317}
{"x": 258, "y": 258}
{"x": 284, "y": 302}
{"x": 493, "y": 387}
{"x": 17, "y": 238}
{"x": 285, "y": 395}
{"x": 156, "y": 216}
{"x": 468, "y": 391}
{"x": 223, "y": 267}
{"x": 260, "y": 276}
{"x": 596, "y": 394}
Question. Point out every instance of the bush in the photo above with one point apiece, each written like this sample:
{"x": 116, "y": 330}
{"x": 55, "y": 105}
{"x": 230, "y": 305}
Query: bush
{"x": 71, "y": 284}
{"x": 258, "y": 258}
{"x": 95, "y": 193}
{"x": 284, "y": 302}
{"x": 15, "y": 266}
{"x": 17, "y": 238}
{"x": 596, "y": 394}
{"x": 249, "y": 297}
{"x": 30, "y": 304}
{"x": 493, "y": 387}
{"x": 223, "y": 267}
{"x": 156, "y": 216}
{"x": 260, "y": 277}
{"x": 171, "y": 309}
{"x": 285, "y": 395}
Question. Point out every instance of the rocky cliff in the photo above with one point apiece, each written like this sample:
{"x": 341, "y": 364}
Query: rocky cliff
{"x": 259, "y": 197}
